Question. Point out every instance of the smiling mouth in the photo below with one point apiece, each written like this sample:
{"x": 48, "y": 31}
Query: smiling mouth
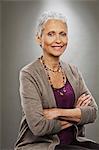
{"x": 57, "y": 47}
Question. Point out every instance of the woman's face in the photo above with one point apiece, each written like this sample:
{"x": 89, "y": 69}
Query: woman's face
{"x": 54, "y": 37}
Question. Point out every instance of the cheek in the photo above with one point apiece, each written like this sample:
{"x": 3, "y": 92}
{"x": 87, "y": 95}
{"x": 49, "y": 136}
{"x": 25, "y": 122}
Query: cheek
{"x": 65, "y": 40}
{"x": 45, "y": 43}
{"x": 48, "y": 41}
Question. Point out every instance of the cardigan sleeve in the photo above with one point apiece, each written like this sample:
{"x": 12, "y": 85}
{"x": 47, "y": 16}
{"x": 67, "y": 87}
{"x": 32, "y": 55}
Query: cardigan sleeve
{"x": 32, "y": 107}
{"x": 88, "y": 113}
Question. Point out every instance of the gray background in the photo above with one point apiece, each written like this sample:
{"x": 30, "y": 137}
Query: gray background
{"x": 0, "y": 75}
{"x": 19, "y": 48}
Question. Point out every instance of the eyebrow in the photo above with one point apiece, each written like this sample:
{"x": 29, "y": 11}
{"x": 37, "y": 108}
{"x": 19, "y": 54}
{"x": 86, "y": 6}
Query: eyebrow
{"x": 63, "y": 32}
{"x": 55, "y": 32}
{"x": 51, "y": 32}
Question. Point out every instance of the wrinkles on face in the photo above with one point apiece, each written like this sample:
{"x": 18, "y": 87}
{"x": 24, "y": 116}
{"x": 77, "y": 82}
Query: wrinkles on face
{"x": 54, "y": 37}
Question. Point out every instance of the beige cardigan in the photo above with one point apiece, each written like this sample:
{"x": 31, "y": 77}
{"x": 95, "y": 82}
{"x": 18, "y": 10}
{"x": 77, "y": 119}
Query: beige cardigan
{"x": 36, "y": 132}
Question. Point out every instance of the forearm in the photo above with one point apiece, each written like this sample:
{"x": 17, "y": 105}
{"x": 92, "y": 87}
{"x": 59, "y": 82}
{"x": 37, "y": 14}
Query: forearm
{"x": 71, "y": 114}
{"x": 53, "y": 113}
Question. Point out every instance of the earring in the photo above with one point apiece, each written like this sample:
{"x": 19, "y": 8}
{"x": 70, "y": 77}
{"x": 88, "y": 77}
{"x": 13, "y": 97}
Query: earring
{"x": 40, "y": 45}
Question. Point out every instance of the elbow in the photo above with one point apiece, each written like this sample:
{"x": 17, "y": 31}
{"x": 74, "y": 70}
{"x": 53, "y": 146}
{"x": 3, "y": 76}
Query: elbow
{"x": 45, "y": 127}
{"x": 88, "y": 115}
{"x": 94, "y": 115}
{"x": 38, "y": 132}
{"x": 35, "y": 133}
{"x": 38, "y": 129}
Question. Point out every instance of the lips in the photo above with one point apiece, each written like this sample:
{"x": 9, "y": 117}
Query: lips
{"x": 57, "y": 47}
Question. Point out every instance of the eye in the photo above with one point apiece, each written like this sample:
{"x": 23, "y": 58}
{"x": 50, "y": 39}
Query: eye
{"x": 51, "y": 34}
{"x": 63, "y": 34}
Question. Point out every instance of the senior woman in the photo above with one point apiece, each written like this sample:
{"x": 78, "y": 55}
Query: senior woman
{"x": 56, "y": 103}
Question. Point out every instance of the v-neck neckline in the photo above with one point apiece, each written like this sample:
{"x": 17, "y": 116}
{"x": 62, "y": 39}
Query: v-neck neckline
{"x": 68, "y": 74}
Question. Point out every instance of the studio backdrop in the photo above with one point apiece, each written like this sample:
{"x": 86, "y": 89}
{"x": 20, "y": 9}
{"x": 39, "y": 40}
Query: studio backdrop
{"x": 18, "y": 45}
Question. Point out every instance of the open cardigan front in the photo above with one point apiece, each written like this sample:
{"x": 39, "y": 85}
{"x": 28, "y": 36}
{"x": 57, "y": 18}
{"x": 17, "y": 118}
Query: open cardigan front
{"x": 36, "y": 132}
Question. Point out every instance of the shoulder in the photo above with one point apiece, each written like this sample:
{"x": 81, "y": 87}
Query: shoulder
{"x": 31, "y": 68}
{"x": 71, "y": 68}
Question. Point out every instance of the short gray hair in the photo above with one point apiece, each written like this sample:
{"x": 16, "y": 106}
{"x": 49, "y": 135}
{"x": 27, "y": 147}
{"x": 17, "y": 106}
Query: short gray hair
{"x": 45, "y": 17}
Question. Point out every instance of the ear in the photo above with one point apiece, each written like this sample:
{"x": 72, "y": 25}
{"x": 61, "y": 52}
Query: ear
{"x": 38, "y": 39}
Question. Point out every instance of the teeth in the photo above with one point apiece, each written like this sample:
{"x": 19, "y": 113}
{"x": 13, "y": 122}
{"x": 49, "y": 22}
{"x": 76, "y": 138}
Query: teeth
{"x": 56, "y": 46}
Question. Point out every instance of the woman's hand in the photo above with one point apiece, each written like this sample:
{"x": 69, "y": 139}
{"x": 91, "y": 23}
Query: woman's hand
{"x": 83, "y": 100}
{"x": 51, "y": 113}
{"x": 65, "y": 124}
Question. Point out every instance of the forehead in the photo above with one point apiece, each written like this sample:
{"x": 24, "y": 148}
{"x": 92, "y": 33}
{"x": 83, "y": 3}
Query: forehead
{"x": 55, "y": 24}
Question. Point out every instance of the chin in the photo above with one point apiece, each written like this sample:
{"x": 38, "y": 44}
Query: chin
{"x": 57, "y": 55}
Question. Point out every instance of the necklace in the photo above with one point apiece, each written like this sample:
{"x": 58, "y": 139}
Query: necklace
{"x": 47, "y": 68}
{"x": 58, "y": 70}
{"x": 63, "y": 90}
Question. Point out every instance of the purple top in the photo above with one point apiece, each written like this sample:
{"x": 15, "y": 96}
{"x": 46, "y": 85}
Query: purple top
{"x": 65, "y": 100}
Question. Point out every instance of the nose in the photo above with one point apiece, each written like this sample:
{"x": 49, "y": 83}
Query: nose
{"x": 58, "y": 39}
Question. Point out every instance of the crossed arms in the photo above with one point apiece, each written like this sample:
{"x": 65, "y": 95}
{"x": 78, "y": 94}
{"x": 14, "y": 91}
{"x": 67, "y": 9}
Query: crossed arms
{"x": 68, "y": 116}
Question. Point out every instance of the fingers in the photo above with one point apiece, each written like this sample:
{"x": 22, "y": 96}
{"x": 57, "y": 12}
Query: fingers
{"x": 65, "y": 124}
{"x": 84, "y": 100}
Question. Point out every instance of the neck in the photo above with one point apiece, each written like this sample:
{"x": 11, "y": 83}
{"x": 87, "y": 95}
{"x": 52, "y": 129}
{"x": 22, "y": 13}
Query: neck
{"x": 51, "y": 61}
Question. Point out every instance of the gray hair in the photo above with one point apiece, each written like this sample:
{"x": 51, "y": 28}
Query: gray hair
{"x": 45, "y": 17}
